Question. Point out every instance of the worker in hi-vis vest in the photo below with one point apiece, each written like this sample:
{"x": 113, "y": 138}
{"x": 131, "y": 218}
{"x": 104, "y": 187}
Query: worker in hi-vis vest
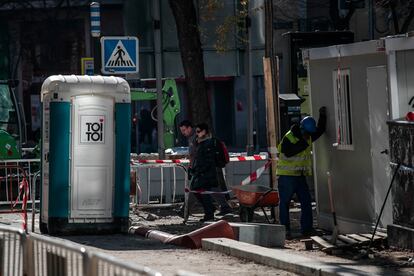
{"x": 294, "y": 164}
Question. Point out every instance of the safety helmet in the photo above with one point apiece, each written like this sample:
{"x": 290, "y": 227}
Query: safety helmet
{"x": 308, "y": 124}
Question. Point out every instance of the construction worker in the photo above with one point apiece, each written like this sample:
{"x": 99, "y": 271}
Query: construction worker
{"x": 294, "y": 165}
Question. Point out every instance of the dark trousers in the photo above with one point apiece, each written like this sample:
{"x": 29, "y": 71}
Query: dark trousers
{"x": 289, "y": 185}
{"x": 207, "y": 203}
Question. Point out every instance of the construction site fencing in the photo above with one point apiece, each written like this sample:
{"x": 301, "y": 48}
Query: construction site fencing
{"x": 159, "y": 183}
{"x": 11, "y": 174}
{"x": 37, "y": 255}
{"x": 18, "y": 186}
{"x": 164, "y": 181}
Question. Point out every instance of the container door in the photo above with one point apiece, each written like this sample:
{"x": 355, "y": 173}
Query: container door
{"x": 92, "y": 165}
{"x": 378, "y": 116}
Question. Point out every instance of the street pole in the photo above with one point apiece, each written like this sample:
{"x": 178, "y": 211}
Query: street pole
{"x": 95, "y": 16}
{"x": 270, "y": 70}
{"x": 371, "y": 19}
{"x": 158, "y": 76}
{"x": 249, "y": 146}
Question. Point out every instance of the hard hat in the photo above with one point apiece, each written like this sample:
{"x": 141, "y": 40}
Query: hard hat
{"x": 308, "y": 124}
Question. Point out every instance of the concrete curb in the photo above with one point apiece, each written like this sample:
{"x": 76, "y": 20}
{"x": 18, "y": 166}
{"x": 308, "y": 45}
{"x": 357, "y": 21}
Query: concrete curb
{"x": 277, "y": 258}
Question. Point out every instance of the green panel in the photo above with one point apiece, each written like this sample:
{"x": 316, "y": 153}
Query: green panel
{"x": 59, "y": 159}
{"x": 171, "y": 106}
{"x": 122, "y": 159}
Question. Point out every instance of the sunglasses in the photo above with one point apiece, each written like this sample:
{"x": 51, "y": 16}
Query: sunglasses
{"x": 198, "y": 130}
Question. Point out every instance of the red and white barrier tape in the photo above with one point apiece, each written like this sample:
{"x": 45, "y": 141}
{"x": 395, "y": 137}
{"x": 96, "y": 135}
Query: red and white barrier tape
{"x": 256, "y": 174}
{"x": 180, "y": 161}
{"x": 23, "y": 189}
{"x": 250, "y": 179}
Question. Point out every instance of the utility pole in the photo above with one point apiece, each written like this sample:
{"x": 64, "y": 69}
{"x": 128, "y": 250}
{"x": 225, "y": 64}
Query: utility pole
{"x": 249, "y": 92}
{"x": 371, "y": 19}
{"x": 95, "y": 15}
{"x": 158, "y": 76}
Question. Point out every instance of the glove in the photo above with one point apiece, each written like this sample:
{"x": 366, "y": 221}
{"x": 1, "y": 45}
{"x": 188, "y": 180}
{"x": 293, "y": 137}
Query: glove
{"x": 296, "y": 130}
{"x": 322, "y": 111}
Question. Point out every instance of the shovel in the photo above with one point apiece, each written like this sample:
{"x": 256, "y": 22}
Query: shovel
{"x": 335, "y": 232}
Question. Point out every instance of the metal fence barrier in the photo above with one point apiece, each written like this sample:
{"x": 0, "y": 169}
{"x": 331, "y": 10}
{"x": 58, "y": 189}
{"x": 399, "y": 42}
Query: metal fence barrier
{"x": 104, "y": 265}
{"x": 11, "y": 175}
{"x": 36, "y": 255}
{"x": 18, "y": 186}
{"x": 11, "y": 251}
{"x": 160, "y": 183}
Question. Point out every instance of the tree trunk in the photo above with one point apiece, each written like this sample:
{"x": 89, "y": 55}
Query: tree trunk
{"x": 192, "y": 59}
{"x": 395, "y": 18}
{"x": 340, "y": 23}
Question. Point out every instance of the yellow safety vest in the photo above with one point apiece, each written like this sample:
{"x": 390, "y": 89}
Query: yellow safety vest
{"x": 297, "y": 165}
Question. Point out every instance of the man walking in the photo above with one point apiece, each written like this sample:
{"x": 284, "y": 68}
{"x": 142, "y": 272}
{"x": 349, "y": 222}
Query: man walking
{"x": 187, "y": 130}
{"x": 295, "y": 163}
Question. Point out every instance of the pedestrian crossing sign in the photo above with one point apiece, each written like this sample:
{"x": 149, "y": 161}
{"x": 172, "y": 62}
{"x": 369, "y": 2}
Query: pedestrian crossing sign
{"x": 119, "y": 55}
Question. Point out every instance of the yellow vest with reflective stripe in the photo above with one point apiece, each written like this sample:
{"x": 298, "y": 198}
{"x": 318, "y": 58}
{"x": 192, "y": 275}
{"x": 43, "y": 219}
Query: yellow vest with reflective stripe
{"x": 297, "y": 165}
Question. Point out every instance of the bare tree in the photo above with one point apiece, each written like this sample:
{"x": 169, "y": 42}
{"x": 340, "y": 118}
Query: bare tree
{"x": 192, "y": 58}
{"x": 401, "y": 11}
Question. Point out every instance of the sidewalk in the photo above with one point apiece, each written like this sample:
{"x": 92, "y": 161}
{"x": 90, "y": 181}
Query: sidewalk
{"x": 303, "y": 263}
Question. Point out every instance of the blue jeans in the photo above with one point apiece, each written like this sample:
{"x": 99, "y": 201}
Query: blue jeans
{"x": 289, "y": 185}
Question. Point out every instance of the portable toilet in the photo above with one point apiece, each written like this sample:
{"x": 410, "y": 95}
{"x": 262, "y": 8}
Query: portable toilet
{"x": 85, "y": 154}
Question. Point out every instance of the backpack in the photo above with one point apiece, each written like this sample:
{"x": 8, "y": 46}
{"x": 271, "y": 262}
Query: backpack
{"x": 222, "y": 154}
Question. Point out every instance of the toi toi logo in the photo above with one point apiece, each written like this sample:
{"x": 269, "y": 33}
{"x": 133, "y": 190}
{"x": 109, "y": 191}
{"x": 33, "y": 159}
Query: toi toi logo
{"x": 94, "y": 131}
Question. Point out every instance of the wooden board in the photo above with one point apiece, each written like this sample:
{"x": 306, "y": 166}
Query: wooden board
{"x": 369, "y": 236}
{"x": 358, "y": 237}
{"x": 347, "y": 240}
{"x": 384, "y": 235}
{"x": 339, "y": 243}
{"x": 322, "y": 243}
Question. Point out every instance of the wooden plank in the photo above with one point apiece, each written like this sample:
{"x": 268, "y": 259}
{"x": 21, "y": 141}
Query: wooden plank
{"x": 369, "y": 236}
{"x": 358, "y": 237}
{"x": 272, "y": 120}
{"x": 347, "y": 240}
{"x": 321, "y": 242}
{"x": 381, "y": 234}
{"x": 308, "y": 244}
{"x": 328, "y": 238}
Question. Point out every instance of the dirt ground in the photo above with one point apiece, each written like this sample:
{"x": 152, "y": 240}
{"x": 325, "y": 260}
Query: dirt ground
{"x": 169, "y": 259}
{"x": 400, "y": 262}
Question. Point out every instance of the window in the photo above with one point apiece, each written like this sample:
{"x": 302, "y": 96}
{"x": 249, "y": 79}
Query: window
{"x": 343, "y": 116}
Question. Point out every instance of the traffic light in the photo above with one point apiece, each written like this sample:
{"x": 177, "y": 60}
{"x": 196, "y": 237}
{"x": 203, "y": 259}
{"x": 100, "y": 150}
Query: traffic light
{"x": 347, "y": 4}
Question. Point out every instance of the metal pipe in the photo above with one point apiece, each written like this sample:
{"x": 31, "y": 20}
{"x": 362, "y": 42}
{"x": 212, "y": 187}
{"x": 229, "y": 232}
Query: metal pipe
{"x": 371, "y": 19}
{"x": 158, "y": 76}
{"x": 162, "y": 185}
{"x": 249, "y": 92}
{"x": 34, "y": 199}
{"x": 219, "y": 229}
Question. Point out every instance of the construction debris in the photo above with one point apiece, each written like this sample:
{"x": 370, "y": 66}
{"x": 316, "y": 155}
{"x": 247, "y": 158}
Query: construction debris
{"x": 325, "y": 243}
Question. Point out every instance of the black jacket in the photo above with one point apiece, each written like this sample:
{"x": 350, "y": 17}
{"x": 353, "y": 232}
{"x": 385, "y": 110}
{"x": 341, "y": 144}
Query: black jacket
{"x": 204, "y": 173}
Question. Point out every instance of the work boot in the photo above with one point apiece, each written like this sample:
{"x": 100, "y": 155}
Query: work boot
{"x": 224, "y": 212}
{"x": 207, "y": 218}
